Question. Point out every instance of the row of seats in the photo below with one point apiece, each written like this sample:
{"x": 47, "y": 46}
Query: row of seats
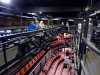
{"x": 48, "y": 65}
{"x": 62, "y": 38}
{"x": 31, "y": 63}
{"x": 55, "y": 66}
{"x": 56, "y": 43}
{"x": 59, "y": 69}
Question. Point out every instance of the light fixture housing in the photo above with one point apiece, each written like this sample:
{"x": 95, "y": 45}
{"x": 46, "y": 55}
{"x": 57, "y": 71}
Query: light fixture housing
{"x": 5, "y": 1}
{"x": 32, "y": 14}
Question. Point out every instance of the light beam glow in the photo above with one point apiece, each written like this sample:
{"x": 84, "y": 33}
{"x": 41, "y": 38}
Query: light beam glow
{"x": 5, "y": 1}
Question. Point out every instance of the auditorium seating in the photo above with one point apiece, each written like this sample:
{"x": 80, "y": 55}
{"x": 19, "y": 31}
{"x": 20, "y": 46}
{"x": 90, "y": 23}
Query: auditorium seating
{"x": 59, "y": 69}
{"x": 54, "y": 66}
{"x": 42, "y": 73}
{"x": 31, "y": 63}
{"x": 49, "y": 63}
{"x": 61, "y": 40}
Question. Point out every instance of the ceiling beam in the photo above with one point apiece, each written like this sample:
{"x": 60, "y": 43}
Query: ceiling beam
{"x": 53, "y": 9}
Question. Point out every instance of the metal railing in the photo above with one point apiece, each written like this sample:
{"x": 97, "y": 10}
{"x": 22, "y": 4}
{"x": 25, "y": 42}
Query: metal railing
{"x": 83, "y": 70}
{"x": 91, "y": 46}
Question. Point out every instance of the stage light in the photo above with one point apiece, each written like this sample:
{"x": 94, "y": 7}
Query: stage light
{"x": 71, "y": 20}
{"x": 5, "y": 1}
{"x": 56, "y": 19}
{"x": 2, "y": 31}
{"x": 8, "y": 31}
{"x": 32, "y": 13}
{"x": 87, "y": 8}
{"x": 40, "y": 12}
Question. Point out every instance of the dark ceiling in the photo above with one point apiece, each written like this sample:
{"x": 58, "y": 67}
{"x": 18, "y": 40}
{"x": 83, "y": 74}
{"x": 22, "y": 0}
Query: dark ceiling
{"x": 56, "y": 8}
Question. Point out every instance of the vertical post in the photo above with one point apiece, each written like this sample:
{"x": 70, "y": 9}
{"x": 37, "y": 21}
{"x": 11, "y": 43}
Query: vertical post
{"x": 21, "y": 20}
{"x": 4, "y": 53}
{"x": 85, "y": 32}
{"x": 80, "y": 35}
{"x": 79, "y": 46}
{"x": 41, "y": 66}
{"x": 80, "y": 69}
{"x": 67, "y": 25}
{"x": 90, "y": 29}
{"x": 82, "y": 46}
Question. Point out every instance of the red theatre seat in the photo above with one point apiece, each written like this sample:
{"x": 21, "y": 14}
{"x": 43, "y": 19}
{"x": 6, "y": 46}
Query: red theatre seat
{"x": 27, "y": 67}
{"x": 30, "y": 63}
{"x": 18, "y": 73}
{"x": 49, "y": 63}
{"x": 42, "y": 73}
{"x": 23, "y": 71}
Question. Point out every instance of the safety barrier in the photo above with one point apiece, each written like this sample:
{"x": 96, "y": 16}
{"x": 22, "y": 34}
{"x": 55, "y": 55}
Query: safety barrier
{"x": 91, "y": 59}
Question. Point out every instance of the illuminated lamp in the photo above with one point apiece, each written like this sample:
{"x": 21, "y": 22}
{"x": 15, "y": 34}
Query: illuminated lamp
{"x": 5, "y": 1}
